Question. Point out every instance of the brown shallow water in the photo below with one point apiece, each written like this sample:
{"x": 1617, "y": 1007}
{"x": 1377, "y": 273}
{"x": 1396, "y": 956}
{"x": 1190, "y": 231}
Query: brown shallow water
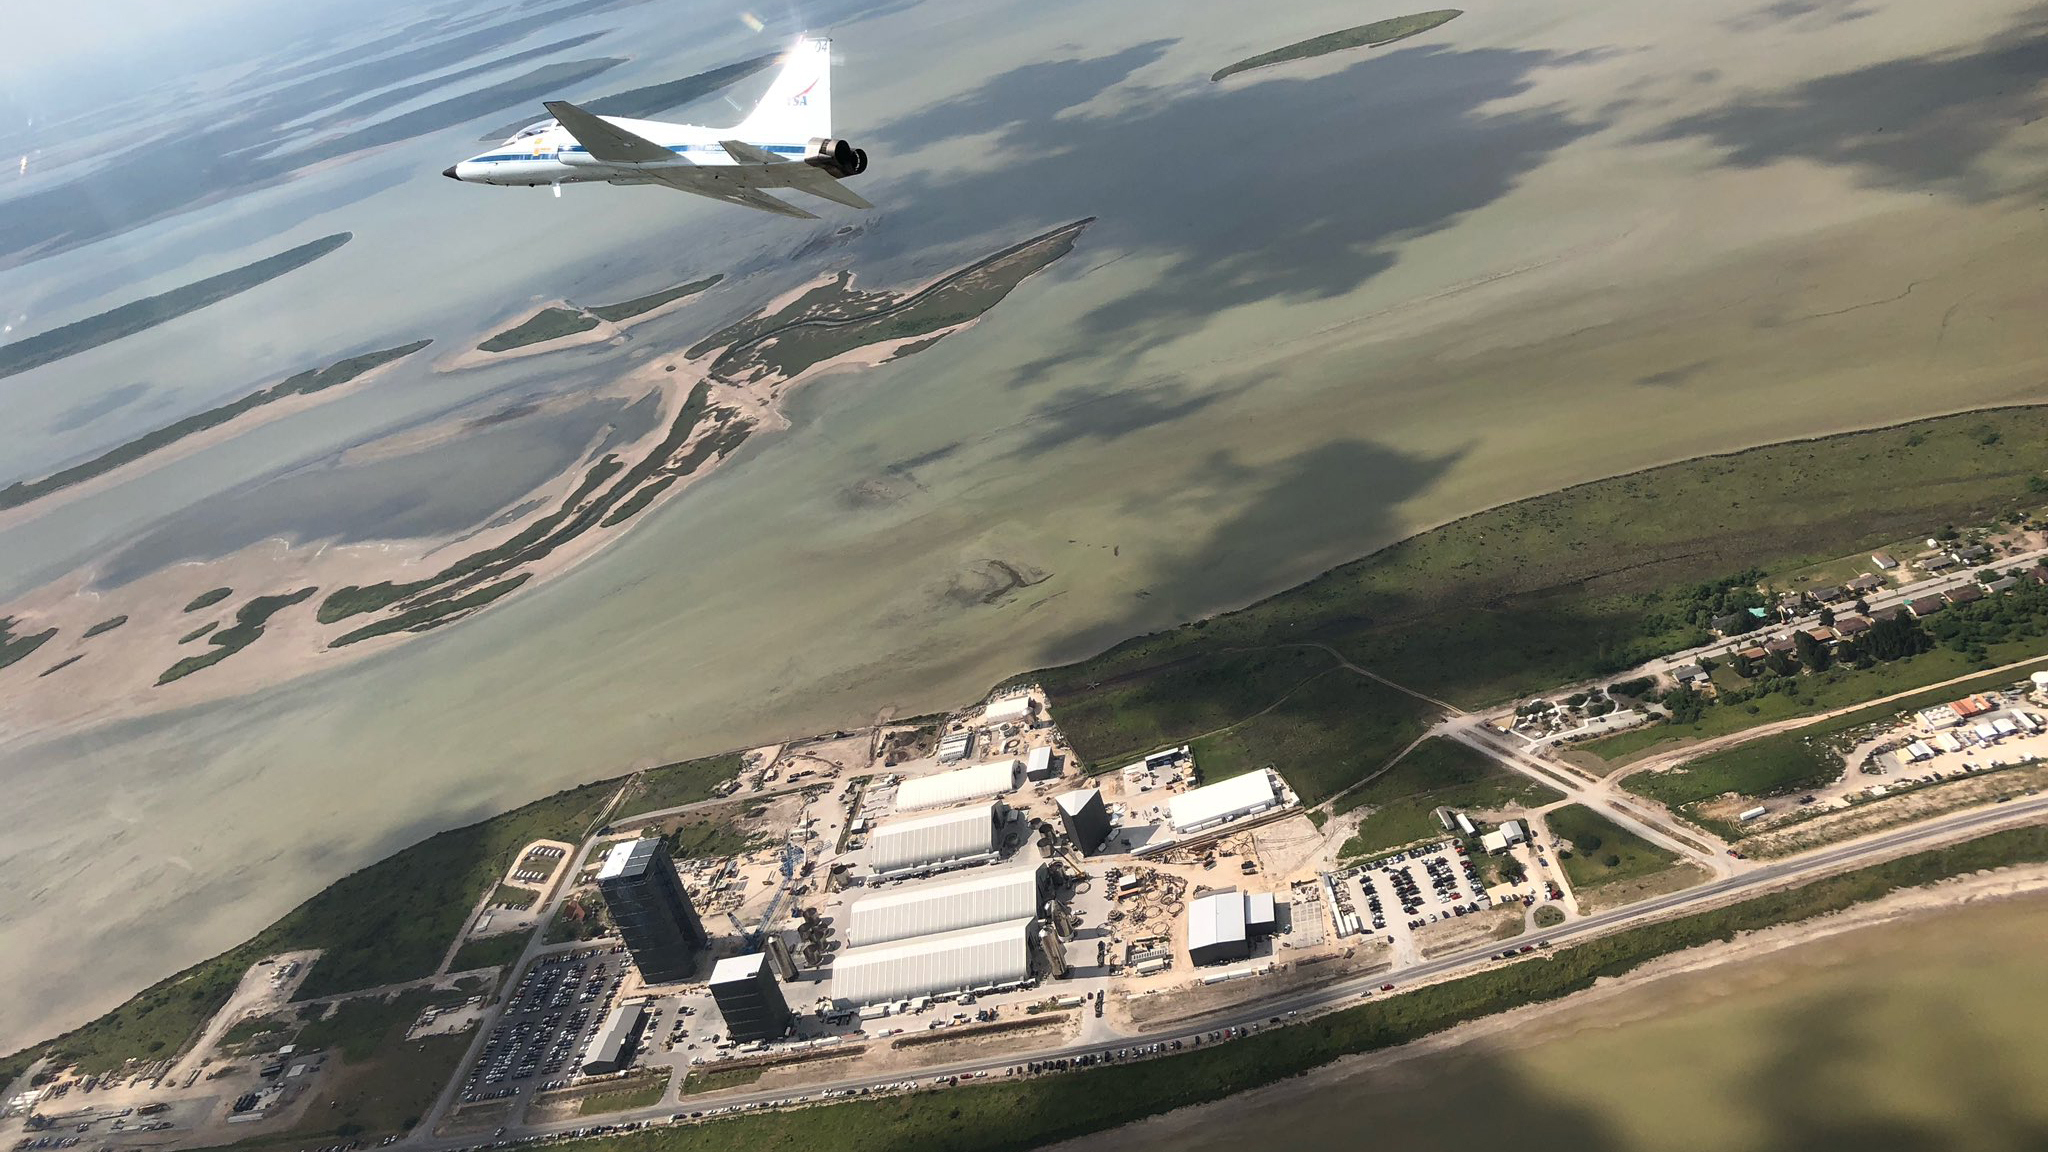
{"x": 1928, "y": 1033}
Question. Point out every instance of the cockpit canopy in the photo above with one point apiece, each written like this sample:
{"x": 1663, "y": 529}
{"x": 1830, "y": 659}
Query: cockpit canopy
{"x": 530, "y": 130}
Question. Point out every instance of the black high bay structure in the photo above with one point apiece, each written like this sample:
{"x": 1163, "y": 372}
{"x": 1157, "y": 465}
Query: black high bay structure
{"x": 652, "y": 910}
{"x": 749, "y": 998}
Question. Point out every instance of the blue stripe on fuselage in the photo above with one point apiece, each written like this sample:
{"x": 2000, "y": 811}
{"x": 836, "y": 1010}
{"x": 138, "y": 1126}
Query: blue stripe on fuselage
{"x": 786, "y": 149}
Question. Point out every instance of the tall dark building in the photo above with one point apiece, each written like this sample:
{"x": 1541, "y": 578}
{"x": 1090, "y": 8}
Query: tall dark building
{"x": 649, "y": 904}
{"x": 1085, "y": 817}
{"x": 749, "y": 998}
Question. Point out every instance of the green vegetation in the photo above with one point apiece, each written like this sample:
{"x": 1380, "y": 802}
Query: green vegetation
{"x": 1331, "y": 731}
{"x": 14, "y": 647}
{"x": 638, "y": 501}
{"x": 544, "y": 325}
{"x": 489, "y": 951}
{"x": 580, "y": 511}
{"x": 60, "y": 665}
{"x": 1791, "y": 697}
{"x": 249, "y": 1028}
{"x": 834, "y": 319}
{"x": 196, "y": 633}
{"x": 357, "y": 1028}
{"x": 638, "y": 1091}
{"x": 1575, "y": 585}
{"x": 1603, "y": 852}
{"x": 1436, "y": 772}
{"x": 1013, "y": 1116}
{"x": 1112, "y": 719}
{"x": 627, "y": 309}
{"x": 433, "y": 615}
{"x": 513, "y": 896}
{"x": 304, "y": 384}
{"x": 1758, "y": 769}
{"x": 141, "y": 315}
{"x": 1549, "y": 915}
{"x": 704, "y": 1078}
{"x": 704, "y": 839}
{"x": 387, "y": 923}
{"x": 1786, "y": 762}
{"x": 246, "y": 630}
{"x": 107, "y": 625}
{"x": 683, "y": 782}
{"x": 209, "y": 598}
{"x": 385, "y": 1083}
{"x": 583, "y": 917}
{"x": 1365, "y": 35}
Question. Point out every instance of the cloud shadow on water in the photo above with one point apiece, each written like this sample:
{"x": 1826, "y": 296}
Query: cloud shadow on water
{"x": 1923, "y": 123}
{"x": 1286, "y": 187}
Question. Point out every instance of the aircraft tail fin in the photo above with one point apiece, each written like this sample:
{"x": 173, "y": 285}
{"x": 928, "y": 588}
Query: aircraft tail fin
{"x": 798, "y": 105}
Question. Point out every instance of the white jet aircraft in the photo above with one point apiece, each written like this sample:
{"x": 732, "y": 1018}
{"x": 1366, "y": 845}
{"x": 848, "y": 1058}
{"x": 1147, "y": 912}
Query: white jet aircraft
{"x": 785, "y": 142}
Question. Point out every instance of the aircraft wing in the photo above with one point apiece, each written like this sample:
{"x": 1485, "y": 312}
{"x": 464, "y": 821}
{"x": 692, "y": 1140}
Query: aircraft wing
{"x": 606, "y": 141}
{"x": 746, "y": 153}
{"x": 703, "y": 183}
{"x": 803, "y": 178}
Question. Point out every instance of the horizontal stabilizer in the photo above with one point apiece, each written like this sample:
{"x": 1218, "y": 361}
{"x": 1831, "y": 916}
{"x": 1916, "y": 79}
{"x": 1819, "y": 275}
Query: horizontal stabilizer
{"x": 604, "y": 140}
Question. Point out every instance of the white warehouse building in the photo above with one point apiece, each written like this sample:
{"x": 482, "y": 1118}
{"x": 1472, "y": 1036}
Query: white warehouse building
{"x": 984, "y": 896}
{"x": 959, "y": 785}
{"x": 937, "y": 840}
{"x": 970, "y": 959}
{"x": 1213, "y": 804}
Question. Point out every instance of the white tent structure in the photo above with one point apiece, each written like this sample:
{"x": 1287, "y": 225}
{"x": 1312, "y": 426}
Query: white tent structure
{"x": 974, "y": 782}
{"x": 983, "y": 896}
{"x": 990, "y": 956}
{"x": 937, "y": 839}
{"x": 1213, "y": 804}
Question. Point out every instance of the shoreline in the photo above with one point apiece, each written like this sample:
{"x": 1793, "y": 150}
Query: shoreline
{"x": 1563, "y": 1017}
{"x": 575, "y": 519}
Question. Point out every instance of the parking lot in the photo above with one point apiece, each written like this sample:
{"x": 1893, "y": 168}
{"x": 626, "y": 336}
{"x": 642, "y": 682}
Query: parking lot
{"x": 558, "y": 1005}
{"x": 1407, "y": 890}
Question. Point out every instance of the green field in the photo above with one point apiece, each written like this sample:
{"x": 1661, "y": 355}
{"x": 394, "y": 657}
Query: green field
{"x": 544, "y": 325}
{"x": 196, "y": 633}
{"x": 704, "y": 839}
{"x": 1111, "y": 718}
{"x": 250, "y": 620}
{"x": 1787, "y": 762}
{"x": 714, "y": 1079}
{"x": 1013, "y": 1116}
{"x": 1581, "y": 583}
{"x": 1364, "y": 36}
{"x": 1603, "y": 852}
{"x": 107, "y": 625}
{"x": 141, "y": 315}
{"x": 513, "y": 896}
{"x": 304, "y": 384}
{"x": 683, "y": 782}
{"x": 1330, "y": 731}
{"x": 638, "y": 1091}
{"x": 1438, "y": 772}
{"x": 489, "y": 951}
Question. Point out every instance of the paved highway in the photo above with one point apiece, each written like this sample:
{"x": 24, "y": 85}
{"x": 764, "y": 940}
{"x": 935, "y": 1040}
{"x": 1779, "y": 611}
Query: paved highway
{"x": 1808, "y": 866}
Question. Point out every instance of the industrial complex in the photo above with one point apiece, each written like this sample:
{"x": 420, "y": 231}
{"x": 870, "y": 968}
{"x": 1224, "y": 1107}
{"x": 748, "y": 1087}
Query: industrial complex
{"x": 879, "y": 904}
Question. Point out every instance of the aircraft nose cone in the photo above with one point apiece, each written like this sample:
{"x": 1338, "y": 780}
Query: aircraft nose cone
{"x": 449, "y": 172}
